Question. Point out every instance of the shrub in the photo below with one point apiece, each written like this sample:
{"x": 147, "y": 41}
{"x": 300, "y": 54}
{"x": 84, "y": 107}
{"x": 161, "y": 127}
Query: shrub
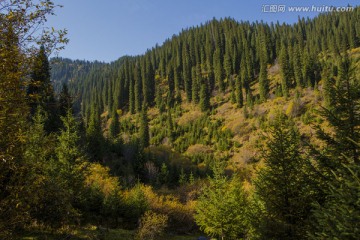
{"x": 152, "y": 225}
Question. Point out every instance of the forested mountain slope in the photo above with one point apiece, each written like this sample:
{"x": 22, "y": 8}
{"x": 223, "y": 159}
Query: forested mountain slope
{"x": 211, "y": 88}
{"x": 232, "y": 130}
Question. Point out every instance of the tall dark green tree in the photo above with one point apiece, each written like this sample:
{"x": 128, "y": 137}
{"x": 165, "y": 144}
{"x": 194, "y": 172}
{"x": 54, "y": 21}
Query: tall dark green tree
{"x": 195, "y": 84}
{"x": 239, "y": 92}
{"x": 40, "y": 90}
{"x": 284, "y": 185}
{"x": 204, "y": 97}
{"x": 94, "y": 135}
{"x": 338, "y": 216}
{"x": 65, "y": 100}
{"x": 285, "y": 71}
{"x": 263, "y": 80}
{"x": 144, "y": 135}
{"x": 221, "y": 208}
{"x": 114, "y": 127}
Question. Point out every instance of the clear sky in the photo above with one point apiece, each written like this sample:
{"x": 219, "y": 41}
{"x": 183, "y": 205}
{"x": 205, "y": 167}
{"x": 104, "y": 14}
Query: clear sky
{"x": 105, "y": 30}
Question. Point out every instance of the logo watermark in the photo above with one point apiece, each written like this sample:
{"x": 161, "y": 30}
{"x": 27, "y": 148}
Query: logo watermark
{"x": 281, "y": 8}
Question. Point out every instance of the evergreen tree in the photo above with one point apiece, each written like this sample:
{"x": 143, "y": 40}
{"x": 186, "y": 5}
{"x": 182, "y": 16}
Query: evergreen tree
{"x": 72, "y": 163}
{"x": 40, "y": 90}
{"x": 239, "y": 92}
{"x": 284, "y": 185}
{"x": 337, "y": 217}
{"x": 204, "y": 97}
{"x": 65, "y": 101}
{"x": 144, "y": 136}
{"x": 114, "y": 125}
{"x": 285, "y": 71}
{"x": 221, "y": 207}
{"x": 137, "y": 87}
{"x": 219, "y": 70}
{"x": 195, "y": 84}
{"x": 94, "y": 135}
{"x": 263, "y": 81}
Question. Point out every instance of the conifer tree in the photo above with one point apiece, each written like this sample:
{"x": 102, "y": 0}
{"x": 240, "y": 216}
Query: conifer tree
{"x": 65, "y": 101}
{"x": 219, "y": 70}
{"x": 137, "y": 87}
{"x": 40, "y": 90}
{"x": 144, "y": 136}
{"x": 72, "y": 163}
{"x": 338, "y": 216}
{"x": 204, "y": 97}
{"x": 221, "y": 208}
{"x": 94, "y": 135}
{"x": 239, "y": 92}
{"x": 263, "y": 80}
{"x": 195, "y": 85}
{"x": 284, "y": 185}
{"x": 114, "y": 127}
{"x": 285, "y": 71}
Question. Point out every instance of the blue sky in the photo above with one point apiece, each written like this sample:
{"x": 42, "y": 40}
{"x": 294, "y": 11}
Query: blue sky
{"x": 108, "y": 29}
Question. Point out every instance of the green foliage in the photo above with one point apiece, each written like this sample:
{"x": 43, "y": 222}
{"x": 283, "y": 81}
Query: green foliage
{"x": 285, "y": 185}
{"x": 204, "y": 98}
{"x": 144, "y": 128}
{"x": 221, "y": 207}
{"x": 338, "y": 163}
{"x": 135, "y": 205}
{"x": 114, "y": 125}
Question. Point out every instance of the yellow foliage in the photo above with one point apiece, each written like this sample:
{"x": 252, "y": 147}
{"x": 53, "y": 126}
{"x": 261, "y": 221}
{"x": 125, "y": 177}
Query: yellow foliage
{"x": 100, "y": 178}
{"x": 180, "y": 215}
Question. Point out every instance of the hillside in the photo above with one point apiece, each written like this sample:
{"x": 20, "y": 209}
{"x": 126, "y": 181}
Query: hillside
{"x": 228, "y": 130}
{"x": 211, "y": 91}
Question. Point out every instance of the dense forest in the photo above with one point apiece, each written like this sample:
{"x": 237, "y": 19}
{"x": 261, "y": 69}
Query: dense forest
{"x": 231, "y": 130}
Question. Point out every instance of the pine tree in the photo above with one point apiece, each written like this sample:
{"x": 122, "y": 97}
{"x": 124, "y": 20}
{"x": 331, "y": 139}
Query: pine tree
{"x": 137, "y": 87}
{"x": 239, "y": 92}
{"x": 285, "y": 71}
{"x": 263, "y": 80}
{"x": 284, "y": 185}
{"x": 195, "y": 84}
{"x": 338, "y": 216}
{"x": 65, "y": 101}
{"x": 114, "y": 127}
{"x": 94, "y": 135}
{"x": 204, "y": 97}
{"x": 72, "y": 162}
{"x": 144, "y": 136}
{"x": 187, "y": 72}
{"x": 40, "y": 90}
{"x": 297, "y": 66}
{"x": 219, "y": 70}
{"x": 221, "y": 207}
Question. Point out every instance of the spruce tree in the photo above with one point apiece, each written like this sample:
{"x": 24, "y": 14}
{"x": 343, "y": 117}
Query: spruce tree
{"x": 263, "y": 80}
{"x": 239, "y": 92}
{"x": 285, "y": 71}
{"x": 40, "y": 90}
{"x": 65, "y": 100}
{"x": 221, "y": 207}
{"x": 284, "y": 185}
{"x": 338, "y": 216}
{"x": 204, "y": 97}
{"x": 195, "y": 84}
{"x": 114, "y": 127}
{"x": 144, "y": 136}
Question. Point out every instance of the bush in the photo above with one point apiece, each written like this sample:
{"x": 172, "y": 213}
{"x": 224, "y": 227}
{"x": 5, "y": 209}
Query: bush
{"x": 152, "y": 225}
